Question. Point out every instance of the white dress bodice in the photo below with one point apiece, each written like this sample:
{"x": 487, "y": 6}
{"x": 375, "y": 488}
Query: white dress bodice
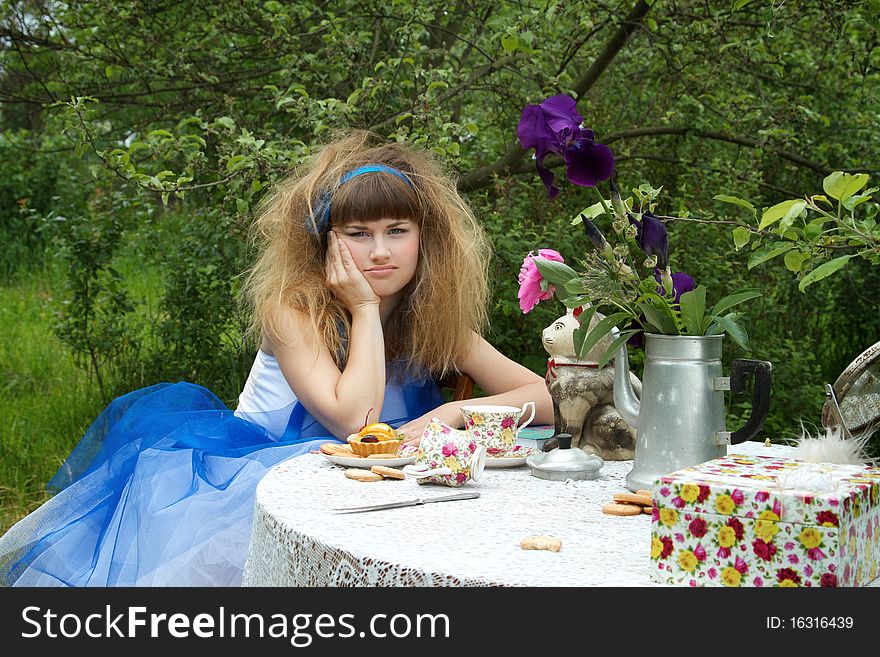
{"x": 267, "y": 399}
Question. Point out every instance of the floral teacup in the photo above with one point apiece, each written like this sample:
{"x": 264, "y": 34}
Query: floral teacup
{"x": 447, "y": 456}
{"x": 495, "y": 427}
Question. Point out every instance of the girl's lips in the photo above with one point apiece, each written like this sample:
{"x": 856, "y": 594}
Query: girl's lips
{"x": 381, "y": 271}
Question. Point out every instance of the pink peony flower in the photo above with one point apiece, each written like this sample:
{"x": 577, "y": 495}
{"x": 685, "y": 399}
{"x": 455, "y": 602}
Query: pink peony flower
{"x": 449, "y": 449}
{"x": 530, "y": 292}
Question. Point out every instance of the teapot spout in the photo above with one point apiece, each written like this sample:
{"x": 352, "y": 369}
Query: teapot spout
{"x": 625, "y": 400}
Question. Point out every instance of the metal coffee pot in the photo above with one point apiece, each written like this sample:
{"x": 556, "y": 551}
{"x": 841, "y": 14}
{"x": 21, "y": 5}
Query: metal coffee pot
{"x": 680, "y": 419}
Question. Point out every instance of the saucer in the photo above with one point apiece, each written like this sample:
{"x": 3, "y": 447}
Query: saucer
{"x": 508, "y": 458}
{"x": 363, "y": 462}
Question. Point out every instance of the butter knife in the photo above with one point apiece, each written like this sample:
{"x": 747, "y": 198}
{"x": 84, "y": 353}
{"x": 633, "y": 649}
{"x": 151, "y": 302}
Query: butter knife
{"x": 416, "y": 502}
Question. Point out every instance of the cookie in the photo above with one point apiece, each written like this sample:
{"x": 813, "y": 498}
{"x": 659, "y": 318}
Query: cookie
{"x": 647, "y": 509}
{"x": 383, "y": 456}
{"x": 550, "y": 543}
{"x": 335, "y": 449}
{"x": 615, "y": 509}
{"x": 388, "y": 473}
{"x": 633, "y": 498}
{"x": 359, "y": 474}
{"x": 646, "y": 493}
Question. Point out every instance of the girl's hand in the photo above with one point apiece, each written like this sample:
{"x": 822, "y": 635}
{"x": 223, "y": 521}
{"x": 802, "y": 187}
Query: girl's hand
{"x": 343, "y": 277}
{"x": 414, "y": 429}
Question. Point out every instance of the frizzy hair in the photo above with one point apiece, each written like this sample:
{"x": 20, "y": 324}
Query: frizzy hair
{"x": 446, "y": 300}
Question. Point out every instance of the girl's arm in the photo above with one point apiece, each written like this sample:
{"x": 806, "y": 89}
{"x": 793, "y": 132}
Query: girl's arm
{"x": 338, "y": 400}
{"x": 506, "y": 383}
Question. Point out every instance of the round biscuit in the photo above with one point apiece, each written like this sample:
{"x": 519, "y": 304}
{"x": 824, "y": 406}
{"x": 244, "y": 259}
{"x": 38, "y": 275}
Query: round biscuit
{"x": 359, "y": 474}
{"x": 647, "y": 509}
{"x": 614, "y": 509}
{"x": 632, "y": 498}
{"x": 647, "y": 493}
{"x": 389, "y": 473}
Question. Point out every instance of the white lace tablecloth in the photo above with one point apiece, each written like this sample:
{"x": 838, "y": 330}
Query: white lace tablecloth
{"x": 298, "y": 541}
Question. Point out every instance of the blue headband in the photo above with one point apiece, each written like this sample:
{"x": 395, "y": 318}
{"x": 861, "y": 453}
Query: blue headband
{"x": 321, "y": 214}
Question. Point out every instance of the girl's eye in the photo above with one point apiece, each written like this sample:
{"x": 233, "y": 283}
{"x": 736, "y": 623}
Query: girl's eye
{"x": 359, "y": 233}
{"x": 397, "y": 231}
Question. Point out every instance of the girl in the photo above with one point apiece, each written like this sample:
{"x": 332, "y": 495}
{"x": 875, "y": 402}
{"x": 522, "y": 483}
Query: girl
{"x": 370, "y": 283}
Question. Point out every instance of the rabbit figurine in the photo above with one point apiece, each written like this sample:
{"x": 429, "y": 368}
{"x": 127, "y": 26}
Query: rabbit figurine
{"x": 583, "y": 394}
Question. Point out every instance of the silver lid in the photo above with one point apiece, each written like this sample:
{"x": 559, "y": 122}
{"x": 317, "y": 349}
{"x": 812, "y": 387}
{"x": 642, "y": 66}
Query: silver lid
{"x": 564, "y": 462}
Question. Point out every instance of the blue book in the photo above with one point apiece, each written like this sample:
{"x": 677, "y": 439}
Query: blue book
{"x": 535, "y": 436}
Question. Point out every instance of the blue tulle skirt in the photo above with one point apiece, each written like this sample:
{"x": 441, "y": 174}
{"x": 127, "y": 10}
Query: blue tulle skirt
{"x": 160, "y": 491}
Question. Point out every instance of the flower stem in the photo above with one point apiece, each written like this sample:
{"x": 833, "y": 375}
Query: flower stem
{"x": 604, "y": 204}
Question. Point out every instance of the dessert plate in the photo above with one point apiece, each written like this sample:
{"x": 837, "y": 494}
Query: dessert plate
{"x": 361, "y": 462}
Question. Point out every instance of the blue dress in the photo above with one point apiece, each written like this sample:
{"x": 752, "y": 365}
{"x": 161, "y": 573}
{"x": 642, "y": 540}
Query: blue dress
{"x": 160, "y": 490}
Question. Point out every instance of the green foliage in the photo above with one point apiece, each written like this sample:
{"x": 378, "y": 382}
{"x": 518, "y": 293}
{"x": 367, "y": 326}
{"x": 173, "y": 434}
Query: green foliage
{"x": 816, "y": 247}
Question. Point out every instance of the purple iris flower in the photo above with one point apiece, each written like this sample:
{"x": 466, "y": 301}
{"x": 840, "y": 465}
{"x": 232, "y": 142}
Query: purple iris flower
{"x": 652, "y": 238}
{"x": 554, "y": 126}
{"x": 681, "y": 283}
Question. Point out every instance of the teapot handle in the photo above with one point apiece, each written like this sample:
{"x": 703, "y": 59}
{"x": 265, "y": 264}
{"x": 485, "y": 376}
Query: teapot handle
{"x": 760, "y": 369}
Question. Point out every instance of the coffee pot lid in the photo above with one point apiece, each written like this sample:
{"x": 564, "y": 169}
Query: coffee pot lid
{"x": 563, "y": 462}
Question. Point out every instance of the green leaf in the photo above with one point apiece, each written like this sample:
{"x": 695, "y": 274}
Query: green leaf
{"x": 555, "y": 272}
{"x": 664, "y": 324}
{"x": 241, "y": 205}
{"x": 842, "y": 185}
{"x": 787, "y": 209}
{"x": 159, "y": 133}
{"x": 737, "y": 201}
{"x": 794, "y": 260}
{"x": 769, "y": 251}
{"x": 599, "y": 331}
{"x": 734, "y": 299}
{"x": 734, "y": 330}
{"x": 226, "y": 122}
{"x": 590, "y": 212}
{"x": 813, "y": 229}
{"x": 232, "y": 163}
{"x": 824, "y": 270}
{"x": 741, "y": 237}
{"x": 693, "y": 307}
{"x": 509, "y": 42}
{"x": 580, "y": 333}
{"x": 851, "y": 203}
{"x": 618, "y": 343}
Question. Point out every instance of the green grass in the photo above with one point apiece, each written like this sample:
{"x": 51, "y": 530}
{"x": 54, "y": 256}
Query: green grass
{"x": 46, "y": 401}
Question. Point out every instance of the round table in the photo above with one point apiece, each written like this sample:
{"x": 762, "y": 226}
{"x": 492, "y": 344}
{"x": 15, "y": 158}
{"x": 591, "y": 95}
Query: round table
{"x": 297, "y": 540}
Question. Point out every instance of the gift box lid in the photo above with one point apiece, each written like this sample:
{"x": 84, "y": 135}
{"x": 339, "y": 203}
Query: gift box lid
{"x": 772, "y": 488}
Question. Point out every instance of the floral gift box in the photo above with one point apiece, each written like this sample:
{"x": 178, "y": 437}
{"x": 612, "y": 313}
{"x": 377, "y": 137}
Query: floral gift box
{"x": 764, "y": 521}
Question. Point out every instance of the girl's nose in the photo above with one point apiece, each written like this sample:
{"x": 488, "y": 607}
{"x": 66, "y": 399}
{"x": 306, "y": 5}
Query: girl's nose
{"x": 380, "y": 249}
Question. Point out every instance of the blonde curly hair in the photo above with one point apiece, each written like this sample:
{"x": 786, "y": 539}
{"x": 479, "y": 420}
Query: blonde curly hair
{"x": 447, "y": 298}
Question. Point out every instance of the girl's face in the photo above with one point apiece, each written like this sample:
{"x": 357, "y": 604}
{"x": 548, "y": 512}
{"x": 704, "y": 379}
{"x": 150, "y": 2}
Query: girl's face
{"x": 385, "y": 250}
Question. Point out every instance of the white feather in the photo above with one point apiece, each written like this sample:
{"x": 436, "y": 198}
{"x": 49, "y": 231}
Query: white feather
{"x": 832, "y": 447}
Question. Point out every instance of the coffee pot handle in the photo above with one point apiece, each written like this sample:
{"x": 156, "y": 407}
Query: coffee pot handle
{"x": 760, "y": 369}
